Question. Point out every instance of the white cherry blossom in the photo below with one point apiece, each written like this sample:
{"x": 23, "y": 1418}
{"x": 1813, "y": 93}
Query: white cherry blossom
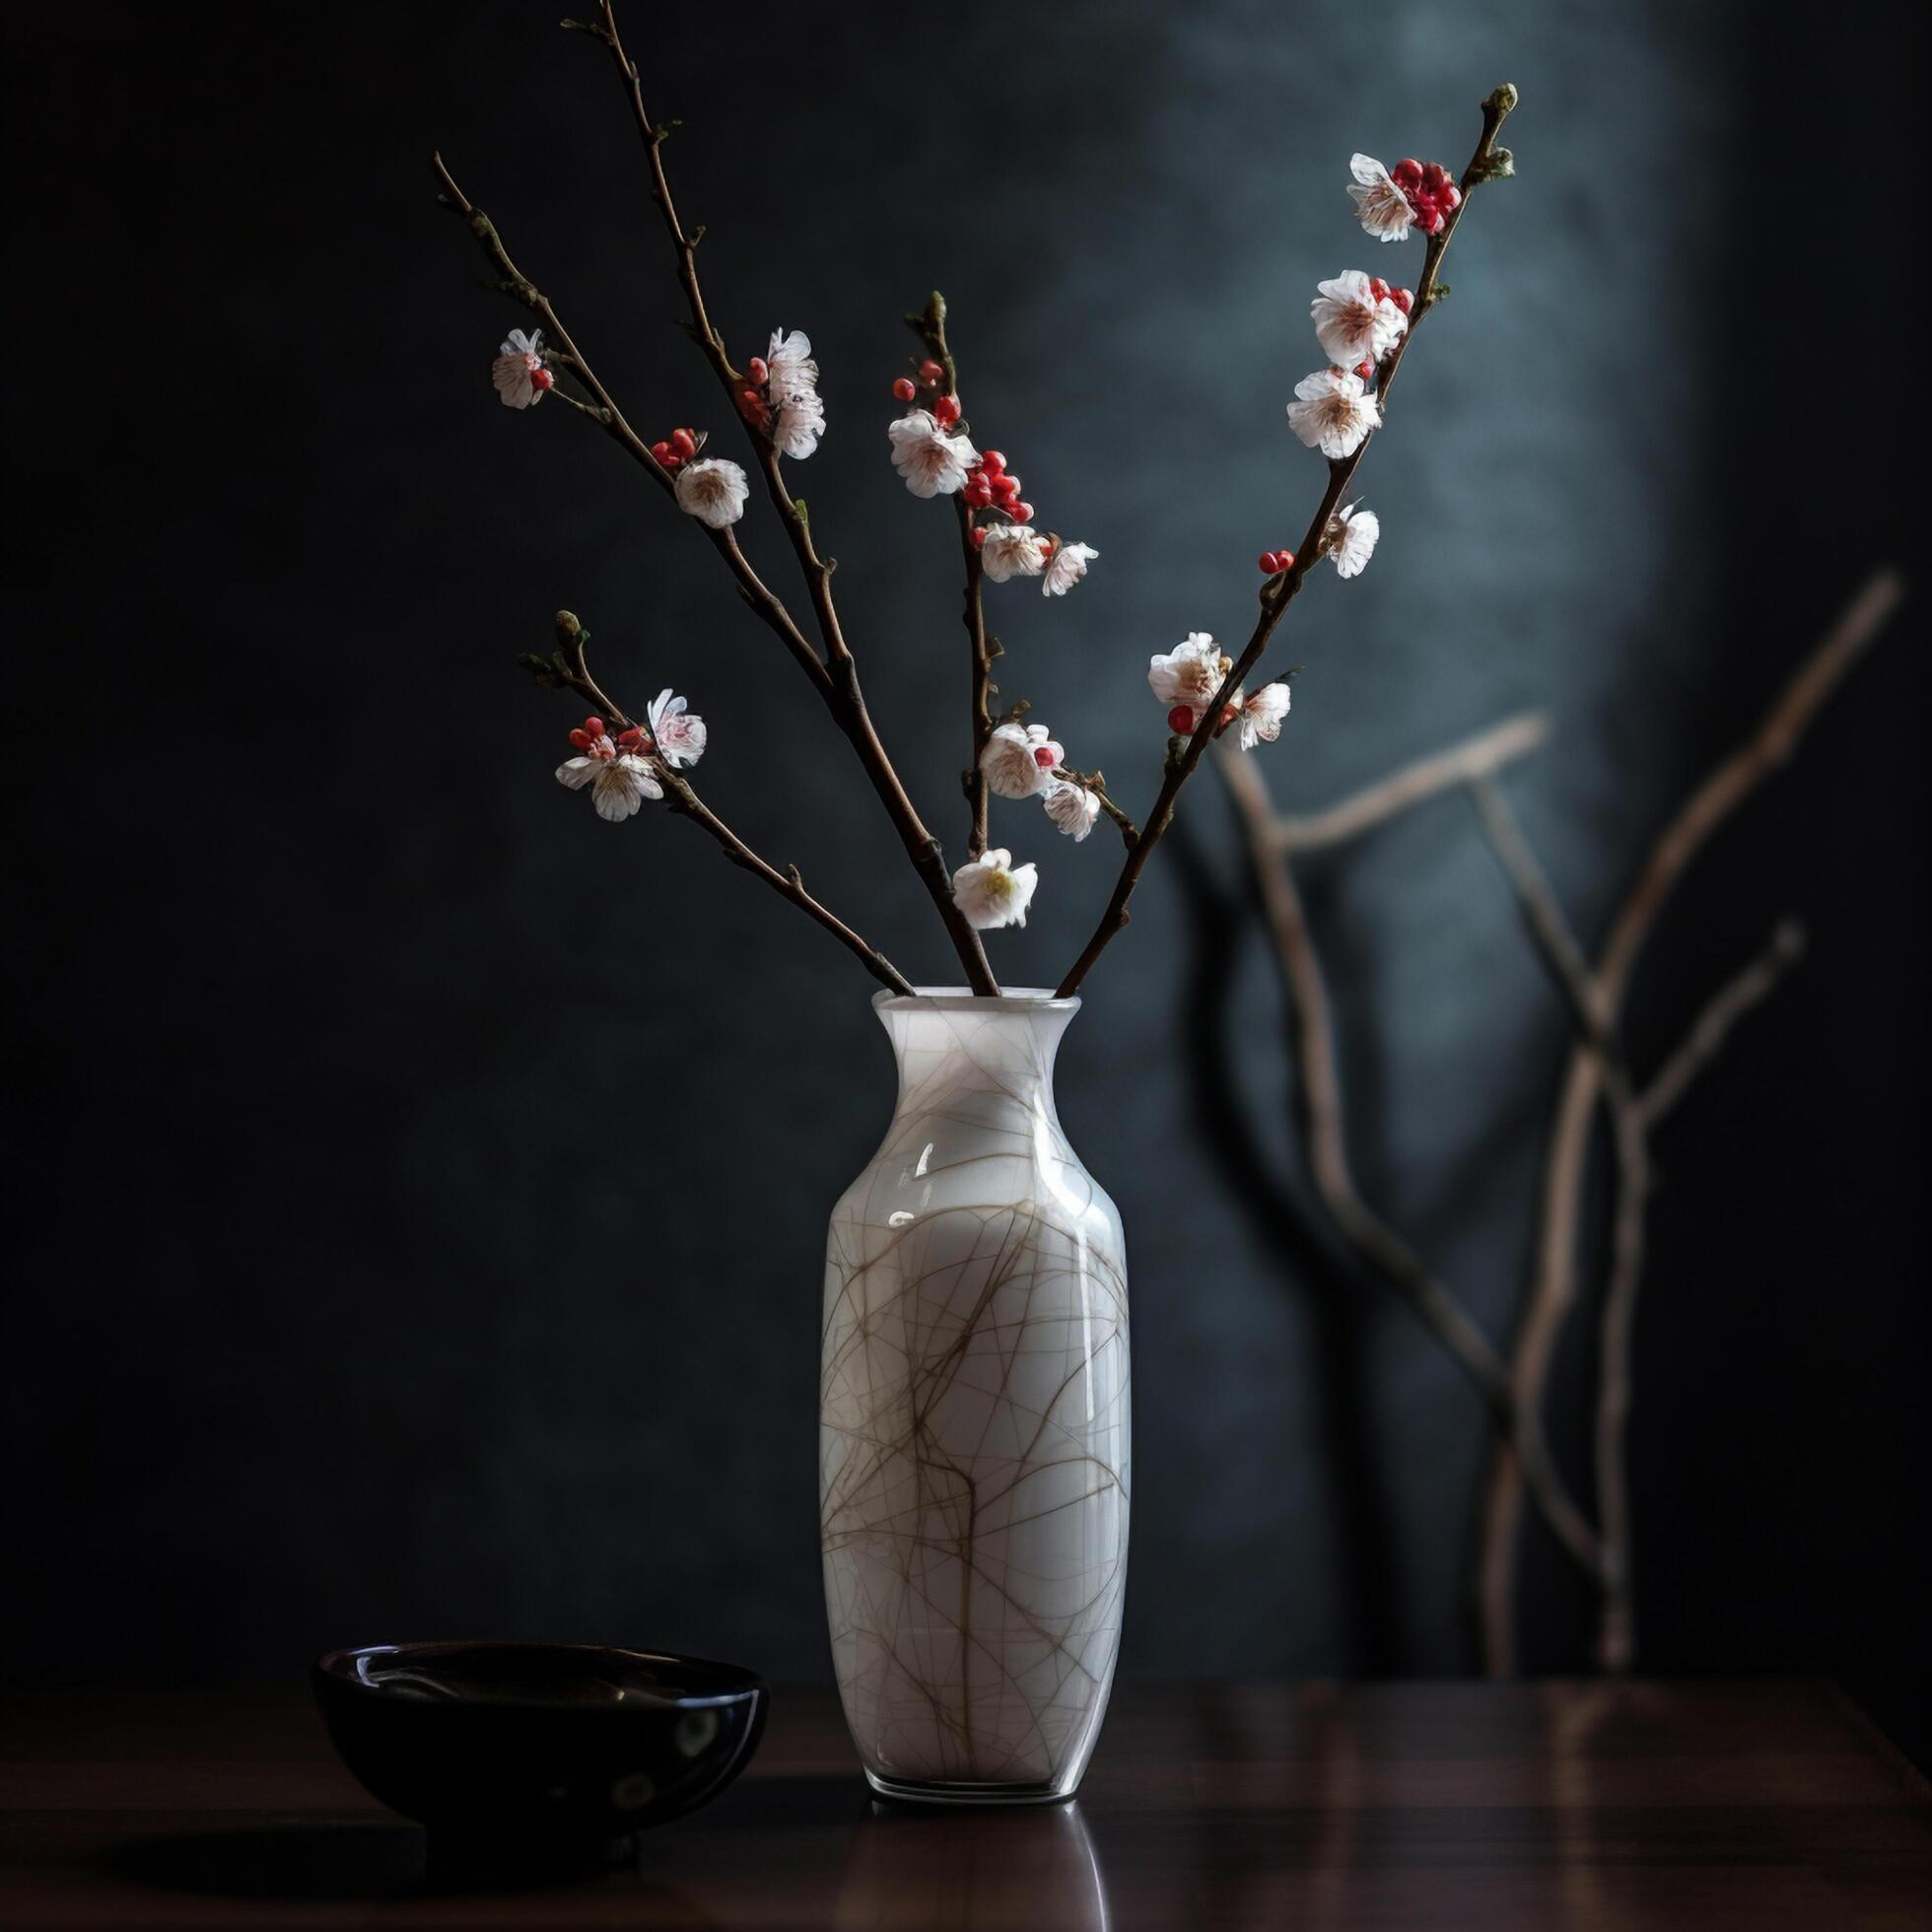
{"x": 1332, "y": 413}
{"x": 1073, "y": 808}
{"x": 798, "y": 425}
{"x": 792, "y": 373}
{"x": 1012, "y": 550}
{"x": 1353, "y": 534}
{"x": 1352, "y": 322}
{"x": 1066, "y": 568}
{"x": 677, "y": 732}
{"x": 619, "y": 780}
{"x": 1382, "y": 207}
{"x": 1261, "y": 716}
{"x": 520, "y": 358}
{"x": 992, "y": 891}
{"x": 1190, "y": 674}
{"x": 791, "y": 384}
{"x": 713, "y": 489}
{"x": 933, "y": 464}
{"x": 1018, "y": 759}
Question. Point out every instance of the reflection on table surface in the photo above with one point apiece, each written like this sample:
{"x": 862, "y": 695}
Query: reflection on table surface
{"x": 1317, "y": 1807}
{"x": 932, "y": 1870}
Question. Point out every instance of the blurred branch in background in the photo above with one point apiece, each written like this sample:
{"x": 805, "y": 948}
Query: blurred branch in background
{"x": 1376, "y": 1244}
{"x": 1598, "y": 1073}
{"x": 1552, "y": 1290}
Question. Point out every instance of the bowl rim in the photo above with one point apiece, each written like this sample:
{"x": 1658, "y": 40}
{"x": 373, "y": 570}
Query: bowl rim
{"x": 345, "y": 1669}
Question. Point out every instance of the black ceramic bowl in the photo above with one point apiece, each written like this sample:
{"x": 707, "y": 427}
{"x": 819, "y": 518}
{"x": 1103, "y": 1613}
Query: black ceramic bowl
{"x": 539, "y": 1752}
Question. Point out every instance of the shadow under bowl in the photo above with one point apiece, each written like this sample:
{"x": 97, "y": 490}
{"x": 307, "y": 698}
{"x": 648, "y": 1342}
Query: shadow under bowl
{"x": 538, "y": 1754}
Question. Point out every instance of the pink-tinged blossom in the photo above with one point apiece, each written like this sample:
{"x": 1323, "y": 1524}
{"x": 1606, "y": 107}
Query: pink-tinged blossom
{"x": 933, "y": 464}
{"x": 520, "y": 358}
{"x": 790, "y": 371}
{"x": 713, "y": 490}
{"x": 992, "y": 891}
{"x": 1012, "y": 550}
{"x": 1381, "y": 205}
{"x": 1190, "y": 674}
{"x": 1067, "y": 566}
{"x": 1261, "y": 716}
{"x": 619, "y": 780}
{"x": 1353, "y": 534}
{"x": 1352, "y": 322}
{"x": 1073, "y": 808}
{"x": 1332, "y": 413}
{"x": 791, "y": 384}
{"x": 1018, "y": 760}
{"x": 798, "y": 425}
{"x": 677, "y": 732}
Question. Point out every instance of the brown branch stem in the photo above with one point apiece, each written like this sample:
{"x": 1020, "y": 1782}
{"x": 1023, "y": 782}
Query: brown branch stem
{"x": 788, "y": 884}
{"x": 1632, "y": 1117}
{"x": 610, "y": 419}
{"x": 684, "y": 800}
{"x": 840, "y": 687}
{"x": 1550, "y": 932}
{"x": 1474, "y": 757}
{"x": 1750, "y": 987}
{"x": 1283, "y": 590}
{"x": 981, "y": 651}
{"x": 1375, "y": 1245}
{"x": 1553, "y": 1289}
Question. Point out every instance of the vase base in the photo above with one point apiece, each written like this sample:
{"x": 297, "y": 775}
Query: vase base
{"x": 962, "y": 1791}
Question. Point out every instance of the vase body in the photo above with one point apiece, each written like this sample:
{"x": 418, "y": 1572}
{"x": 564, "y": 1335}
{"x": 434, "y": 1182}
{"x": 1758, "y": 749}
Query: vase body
{"x": 974, "y": 1419}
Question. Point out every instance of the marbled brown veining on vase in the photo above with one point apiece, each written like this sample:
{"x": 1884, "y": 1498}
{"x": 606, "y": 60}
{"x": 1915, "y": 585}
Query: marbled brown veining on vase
{"x": 974, "y": 1425}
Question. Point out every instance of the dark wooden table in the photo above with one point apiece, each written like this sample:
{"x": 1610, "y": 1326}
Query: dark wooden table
{"x": 1757, "y": 1806}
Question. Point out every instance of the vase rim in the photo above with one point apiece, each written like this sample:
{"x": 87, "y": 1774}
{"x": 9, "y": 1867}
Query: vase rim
{"x": 963, "y": 999}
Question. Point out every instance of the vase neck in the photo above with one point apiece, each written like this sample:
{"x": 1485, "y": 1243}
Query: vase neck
{"x": 981, "y": 1062}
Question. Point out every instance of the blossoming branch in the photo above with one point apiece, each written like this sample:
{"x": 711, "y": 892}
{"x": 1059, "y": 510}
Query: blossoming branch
{"x": 1363, "y": 326}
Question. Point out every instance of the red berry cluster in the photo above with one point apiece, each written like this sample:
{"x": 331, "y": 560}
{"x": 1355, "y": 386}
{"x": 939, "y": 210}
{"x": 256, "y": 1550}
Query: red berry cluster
{"x": 1274, "y": 562}
{"x": 1431, "y": 193}
{"x": 750, "y": 398}
{"x": 678, "y": 449}
{"x": 593, "y": 729}
{"x": 945, "y": 409}
{"x": 1403, "y": 299}
{"x": 990, "y": 484}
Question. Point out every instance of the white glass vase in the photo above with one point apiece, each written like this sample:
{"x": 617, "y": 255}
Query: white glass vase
{"x": 973, "y": 1418}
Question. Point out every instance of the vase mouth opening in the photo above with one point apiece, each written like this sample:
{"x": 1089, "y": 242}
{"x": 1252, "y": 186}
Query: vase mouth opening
{"x": 963, "y": 999}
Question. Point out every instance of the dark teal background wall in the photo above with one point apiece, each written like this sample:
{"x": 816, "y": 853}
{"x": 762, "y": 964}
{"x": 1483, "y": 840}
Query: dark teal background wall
{"x": 420, "y": 1186}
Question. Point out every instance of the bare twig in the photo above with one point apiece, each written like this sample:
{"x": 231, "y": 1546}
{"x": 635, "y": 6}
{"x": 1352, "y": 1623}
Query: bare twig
{"x": 930, "y": 323}
{"x": 1562, "y": 957}
{"x": 1553, "y": 1289}
{"x": 1630, "y": 1120}
{"x": 573, "y": 670}
{"x": 1475, "y": 757}
{"x": 1281, "y": 591}
{"x": 1550, "y": 929}
{"x": 788, "y": 883}
{"x": 1752, "y": 987}
{"x": 1375, "y": 1245}
{"x": 841, "y": 688}
{"x": 513, "y": 282}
